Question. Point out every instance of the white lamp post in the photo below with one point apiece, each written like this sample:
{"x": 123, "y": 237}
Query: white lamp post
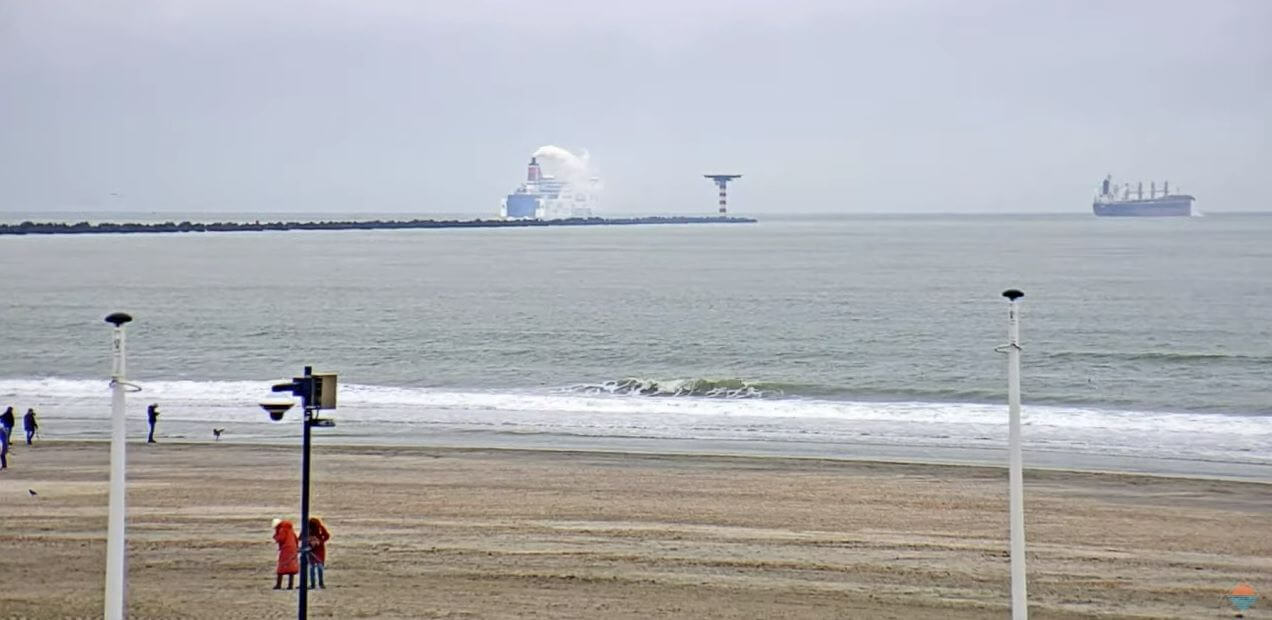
{"x": 116, "y": 576}
{"x": 1015, "y": 474}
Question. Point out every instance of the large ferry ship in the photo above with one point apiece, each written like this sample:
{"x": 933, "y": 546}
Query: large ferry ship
{"x": 544, "y": 197}
{"x": 1134, "y": 204}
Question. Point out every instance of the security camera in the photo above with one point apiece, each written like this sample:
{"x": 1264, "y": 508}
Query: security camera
{"x": 276, "y": 408}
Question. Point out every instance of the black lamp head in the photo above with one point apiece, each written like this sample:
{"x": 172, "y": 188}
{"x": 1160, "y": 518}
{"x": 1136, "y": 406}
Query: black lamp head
{"x": 1012, "y": 294}
{"x": 118, "y": 318}
{"x": 276, "y": 408}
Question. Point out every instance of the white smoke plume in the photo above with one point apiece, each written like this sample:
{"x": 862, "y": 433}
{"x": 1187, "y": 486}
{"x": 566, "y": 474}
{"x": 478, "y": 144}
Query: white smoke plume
{"x": 566, "y": 166}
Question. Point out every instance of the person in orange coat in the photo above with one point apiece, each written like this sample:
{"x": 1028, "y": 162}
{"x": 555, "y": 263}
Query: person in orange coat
{"x": 288, "y": 553}
{"x": 318, "y": 537}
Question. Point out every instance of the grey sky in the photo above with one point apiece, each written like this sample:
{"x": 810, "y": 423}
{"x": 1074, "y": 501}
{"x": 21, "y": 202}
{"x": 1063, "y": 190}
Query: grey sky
{"x": 288, "y": 105}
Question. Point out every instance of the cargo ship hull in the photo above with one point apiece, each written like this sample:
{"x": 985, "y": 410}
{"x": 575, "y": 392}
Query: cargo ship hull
{"x": 1170, "y": 206}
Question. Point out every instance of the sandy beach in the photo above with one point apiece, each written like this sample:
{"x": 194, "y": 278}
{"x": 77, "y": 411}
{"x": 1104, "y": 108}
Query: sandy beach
{"x": 447, "y": 533}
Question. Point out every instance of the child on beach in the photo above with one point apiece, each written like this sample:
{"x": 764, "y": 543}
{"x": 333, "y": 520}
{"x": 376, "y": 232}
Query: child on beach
{"x": 288, "y": 553}
{"x": 318, "y": 537}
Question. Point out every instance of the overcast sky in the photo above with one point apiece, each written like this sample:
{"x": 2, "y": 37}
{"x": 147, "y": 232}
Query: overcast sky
{"x": 822, "y": 105}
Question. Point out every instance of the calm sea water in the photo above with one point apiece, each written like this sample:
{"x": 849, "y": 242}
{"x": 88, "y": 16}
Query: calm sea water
{"x": 1144, "y": 339}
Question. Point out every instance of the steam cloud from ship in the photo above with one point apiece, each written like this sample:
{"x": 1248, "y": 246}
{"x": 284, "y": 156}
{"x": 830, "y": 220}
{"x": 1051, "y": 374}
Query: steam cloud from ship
{"x": 563, "y": 164}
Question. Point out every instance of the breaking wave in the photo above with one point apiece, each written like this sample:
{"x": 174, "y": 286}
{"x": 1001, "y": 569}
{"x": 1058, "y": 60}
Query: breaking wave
{"x": 702, "y": 388}
{"x": 729, "y": 410}
{"x": 742, "y": 389}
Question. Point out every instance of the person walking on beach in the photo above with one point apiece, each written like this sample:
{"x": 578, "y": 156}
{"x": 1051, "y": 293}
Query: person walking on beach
{"x": 30, "y": 425}
{"x": 4, "y": 448}
{"x": 318, "y": 537}
{"x": 152, "y": 416}
{"x": 7, "y": 421}
{"x": 288, "y": 553}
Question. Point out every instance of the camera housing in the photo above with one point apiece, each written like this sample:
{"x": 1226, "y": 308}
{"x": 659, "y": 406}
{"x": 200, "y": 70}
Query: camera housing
{"x": 276, "y": 408}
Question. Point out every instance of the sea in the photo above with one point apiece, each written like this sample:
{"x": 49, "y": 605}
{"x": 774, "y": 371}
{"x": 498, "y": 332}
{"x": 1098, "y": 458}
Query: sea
{"x": 1147, "y": 343}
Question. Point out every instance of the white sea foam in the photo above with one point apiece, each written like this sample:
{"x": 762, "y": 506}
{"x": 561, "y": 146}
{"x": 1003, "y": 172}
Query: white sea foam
{"x": 392, "y": 410}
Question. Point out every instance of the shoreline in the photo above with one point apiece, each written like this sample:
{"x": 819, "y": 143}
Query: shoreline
{"x": 504, "y": 533}
{"x": 405, "y": 448}
{"x": 1078, "y": 438}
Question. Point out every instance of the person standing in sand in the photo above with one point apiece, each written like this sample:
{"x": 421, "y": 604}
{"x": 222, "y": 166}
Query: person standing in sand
{"x": 318, "y": 537}
{"x": 152, "y": 416}
{"x": 7, "y": 421}
{"x": 30, "y": 425}
{"x": 4, "y": 448}
{"x": 288, "y": 553}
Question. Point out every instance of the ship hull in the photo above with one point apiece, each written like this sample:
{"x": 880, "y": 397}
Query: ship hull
{"x": 520, "y": 206}
{"x": 1171, "y": 206}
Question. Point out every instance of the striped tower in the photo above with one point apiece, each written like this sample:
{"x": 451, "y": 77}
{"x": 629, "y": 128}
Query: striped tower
{"x": 722, "y": 182}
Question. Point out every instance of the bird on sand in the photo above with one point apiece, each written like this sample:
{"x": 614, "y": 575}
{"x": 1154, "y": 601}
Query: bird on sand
{"x": 32, "y": 492}
{"x": 216, "y": 432}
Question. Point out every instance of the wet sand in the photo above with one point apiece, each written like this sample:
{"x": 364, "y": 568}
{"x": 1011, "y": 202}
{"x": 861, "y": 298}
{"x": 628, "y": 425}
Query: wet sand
{"x": 448, "y": 533}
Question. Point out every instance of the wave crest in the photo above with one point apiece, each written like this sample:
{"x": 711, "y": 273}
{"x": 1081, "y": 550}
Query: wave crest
{"x": 702, "y": 388}
{"x": 1169, "y": 357}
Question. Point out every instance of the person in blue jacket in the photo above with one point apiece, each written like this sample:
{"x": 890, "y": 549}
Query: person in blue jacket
{"x": 7, "y": 421}
{"x": 152, "y": 416}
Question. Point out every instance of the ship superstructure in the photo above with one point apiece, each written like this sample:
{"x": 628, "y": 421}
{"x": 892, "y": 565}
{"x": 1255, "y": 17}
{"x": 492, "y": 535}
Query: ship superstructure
{"x": 544, "y": 197}
{"x": 1114, "y": 200}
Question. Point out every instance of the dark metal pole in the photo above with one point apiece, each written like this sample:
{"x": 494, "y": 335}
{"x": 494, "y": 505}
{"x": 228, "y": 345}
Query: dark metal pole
{"x": 308, "y": 400}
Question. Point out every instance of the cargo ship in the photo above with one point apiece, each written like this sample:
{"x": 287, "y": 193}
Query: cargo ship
{"x": 1134, "y": 204}
{"x": 545, "y": 197}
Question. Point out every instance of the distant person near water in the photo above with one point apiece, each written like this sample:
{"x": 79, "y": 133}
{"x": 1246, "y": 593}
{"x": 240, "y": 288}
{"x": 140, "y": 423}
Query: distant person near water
{"x": 7, "y": 421}
{"x": 288, "y": 553}
{"x": 152, "y": 416}
{"x": 318, "y": 537}
{"x": 30, "y": 425}
{"x": 4, "y": 448}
